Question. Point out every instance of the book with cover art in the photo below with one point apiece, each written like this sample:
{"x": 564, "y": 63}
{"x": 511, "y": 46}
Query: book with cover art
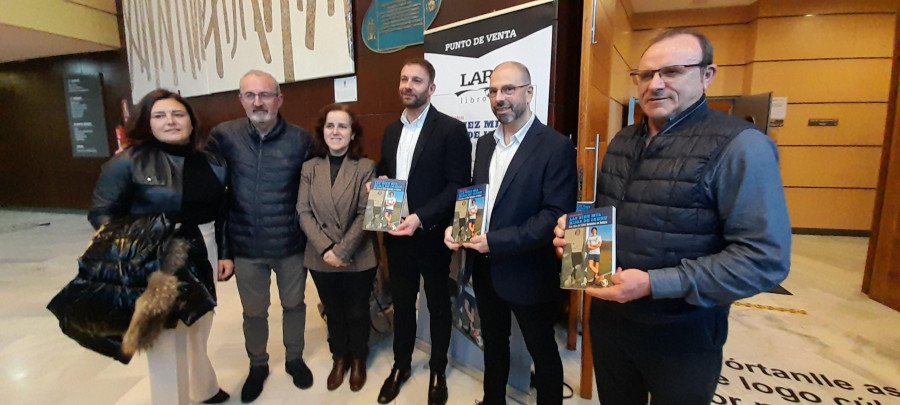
{"x": 468, "y": 217}
{"x": 466, "y": 318}
{"x": 589, "y": 257}
{"x": 385, "y": 205}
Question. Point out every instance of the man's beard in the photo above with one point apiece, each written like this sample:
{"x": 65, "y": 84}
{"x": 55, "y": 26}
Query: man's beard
{"x": 262, "y": 117}
{"x": 416, "y": 102}
{"x": 513, "y": 114}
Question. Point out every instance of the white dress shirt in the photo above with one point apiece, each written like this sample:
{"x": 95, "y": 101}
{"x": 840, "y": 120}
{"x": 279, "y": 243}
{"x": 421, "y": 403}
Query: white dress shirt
{"x": 503, "y": 155}
{"x": 409, "y": 135}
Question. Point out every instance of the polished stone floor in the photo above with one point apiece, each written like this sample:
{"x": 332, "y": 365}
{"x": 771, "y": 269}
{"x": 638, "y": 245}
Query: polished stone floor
{"x": 827, "y": 343}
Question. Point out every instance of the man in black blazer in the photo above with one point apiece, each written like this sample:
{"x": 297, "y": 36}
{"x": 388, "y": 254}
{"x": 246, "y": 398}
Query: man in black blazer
{"x": 432, "y": 152}
{"x": 530, "y": 169}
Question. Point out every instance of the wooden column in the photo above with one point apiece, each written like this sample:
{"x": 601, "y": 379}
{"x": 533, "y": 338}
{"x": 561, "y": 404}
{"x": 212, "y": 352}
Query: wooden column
{"x": 881, "y": 280}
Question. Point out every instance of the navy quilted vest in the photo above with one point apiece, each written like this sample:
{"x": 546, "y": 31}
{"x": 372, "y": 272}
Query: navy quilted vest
{"x": 664, "y": 211}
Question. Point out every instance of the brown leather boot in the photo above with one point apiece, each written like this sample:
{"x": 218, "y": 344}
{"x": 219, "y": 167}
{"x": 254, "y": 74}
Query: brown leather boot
{"x": 336, "y": 377}
{"x": 357, "y": 374}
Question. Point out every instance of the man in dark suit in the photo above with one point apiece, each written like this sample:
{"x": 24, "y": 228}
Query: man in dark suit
{"x": 530, "y": 169}
{"x": 432, "y": 152}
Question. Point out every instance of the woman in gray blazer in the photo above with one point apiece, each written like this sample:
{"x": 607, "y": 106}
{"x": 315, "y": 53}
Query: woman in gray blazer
{"x": 339, "y": 254}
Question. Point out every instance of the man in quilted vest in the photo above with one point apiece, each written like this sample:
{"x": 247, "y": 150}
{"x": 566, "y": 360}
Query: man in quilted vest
{"x": 263, "y": 235}
{"x": 701, "y": 222}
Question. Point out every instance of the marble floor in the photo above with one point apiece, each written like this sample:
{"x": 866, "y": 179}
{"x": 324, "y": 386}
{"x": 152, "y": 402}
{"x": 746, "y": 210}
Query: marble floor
{"x": 827, "y": 343}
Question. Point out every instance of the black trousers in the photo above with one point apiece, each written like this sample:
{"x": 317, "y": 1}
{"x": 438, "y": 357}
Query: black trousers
{"x": 674, "y": 363}
{"x": 345, "y": 296}
{"x": 536, "y": 322}
{"x": 406, "y": 264}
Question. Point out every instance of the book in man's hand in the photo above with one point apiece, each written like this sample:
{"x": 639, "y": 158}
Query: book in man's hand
{"x": 468, "y": 217}
{"x": 385, "y": 205}
{"x": 589, "y": 256}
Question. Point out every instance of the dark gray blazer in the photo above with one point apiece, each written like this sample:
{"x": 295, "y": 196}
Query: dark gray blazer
{"x": 334, "y": 215}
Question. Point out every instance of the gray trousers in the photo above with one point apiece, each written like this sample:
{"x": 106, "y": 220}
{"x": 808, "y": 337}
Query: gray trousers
{"x": 253, "y": 282}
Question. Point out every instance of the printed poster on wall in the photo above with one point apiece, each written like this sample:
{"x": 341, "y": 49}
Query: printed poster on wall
{"x": 465, "y": 53}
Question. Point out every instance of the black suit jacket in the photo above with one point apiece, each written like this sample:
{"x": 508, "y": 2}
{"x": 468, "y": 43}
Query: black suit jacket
{"x": 540, "y": 185}
{"x": 441, "y": 163}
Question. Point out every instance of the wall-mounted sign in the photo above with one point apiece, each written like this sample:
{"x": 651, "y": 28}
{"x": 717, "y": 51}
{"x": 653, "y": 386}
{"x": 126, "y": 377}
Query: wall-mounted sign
{"x": 823, "y": 122}
{"x": 87, "y": 121}
{"x": 345, "y": 89}
{"x": 391, "y": 25}
{"x": 778, "y": 110}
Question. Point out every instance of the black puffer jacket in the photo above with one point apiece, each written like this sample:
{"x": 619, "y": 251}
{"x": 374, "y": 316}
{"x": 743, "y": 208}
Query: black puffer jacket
{"x": 145, "y": 180}
{"x": 265, "y": 178}
{"x": 95, "y": 308}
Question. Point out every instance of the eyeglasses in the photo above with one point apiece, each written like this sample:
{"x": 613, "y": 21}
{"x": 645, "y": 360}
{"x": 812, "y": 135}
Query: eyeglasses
{"x": 668, "y": 74}
{"x": 506, "y": 90}
{"x": 264, "y": 96}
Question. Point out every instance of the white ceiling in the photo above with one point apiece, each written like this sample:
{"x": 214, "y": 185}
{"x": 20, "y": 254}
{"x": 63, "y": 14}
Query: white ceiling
{"x": 646, "y": 6}
{"x": 18, "y": 43}
{"x": 22, "y": 43}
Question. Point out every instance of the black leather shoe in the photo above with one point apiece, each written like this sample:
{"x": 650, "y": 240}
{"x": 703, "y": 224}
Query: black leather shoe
{"x": 437, "y": 389}
{"x": 392, "y": 384}
{"x": 220, "y": 397}
{"x": 254, "y": 384}
{"x": 303, "y": 377}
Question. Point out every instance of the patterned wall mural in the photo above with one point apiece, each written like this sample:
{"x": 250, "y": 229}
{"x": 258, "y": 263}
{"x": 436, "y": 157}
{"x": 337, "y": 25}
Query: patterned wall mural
{"x": 201, "y": 47}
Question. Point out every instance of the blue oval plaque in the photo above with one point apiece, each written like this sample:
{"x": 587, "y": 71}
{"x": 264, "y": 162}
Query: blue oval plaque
{"x": 391, "y": 25}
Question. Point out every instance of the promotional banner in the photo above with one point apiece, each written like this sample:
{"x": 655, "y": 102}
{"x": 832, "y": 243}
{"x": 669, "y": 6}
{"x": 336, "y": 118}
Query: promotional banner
{"x": 464, "y": 55}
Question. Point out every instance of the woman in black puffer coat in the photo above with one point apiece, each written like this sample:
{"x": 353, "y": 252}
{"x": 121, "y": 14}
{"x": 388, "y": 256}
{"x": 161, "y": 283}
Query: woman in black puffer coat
{"x": 164, "y": 169}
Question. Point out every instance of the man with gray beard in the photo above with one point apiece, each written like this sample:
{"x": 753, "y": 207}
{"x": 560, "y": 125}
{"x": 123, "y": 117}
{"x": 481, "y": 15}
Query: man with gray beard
{"x": 264, "y": 154}
{"x": 531, "y": 172}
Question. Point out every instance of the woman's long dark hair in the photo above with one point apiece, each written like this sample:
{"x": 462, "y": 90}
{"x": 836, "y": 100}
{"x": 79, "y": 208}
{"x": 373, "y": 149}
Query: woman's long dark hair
{"x": 138, "y": 129}
{"x": 320, "y": 149}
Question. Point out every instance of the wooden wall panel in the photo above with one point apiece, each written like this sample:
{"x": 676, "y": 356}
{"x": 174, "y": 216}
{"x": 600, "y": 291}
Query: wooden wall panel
{"x": 840, "y": 80}
{"x": 846, "y": 209}
{"x": 621, "y": 86}
{"x": 36, "y": 164}
{"x": 621, "y": 24}
{"x": 695, "y": 17}
{"x": 825, "y": 36}
{"x": 729, "y": 81}
{"x": 770, "y": 8}
{"x": 604, "y": 25}
{"x": 601, "y": 66}
{"x": 811, "y": 166}
{"x": 729, "y": 43}
{"x": 858, "y": 124}
{"x": 616, "y": 111}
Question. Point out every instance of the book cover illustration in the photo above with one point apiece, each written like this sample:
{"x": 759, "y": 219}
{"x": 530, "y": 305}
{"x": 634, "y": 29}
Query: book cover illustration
{"x": 465, "y": 317}
{"x": 385, "y": 205}
{"x": 468, "y": 217}
{"x": 589, "y": 257}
